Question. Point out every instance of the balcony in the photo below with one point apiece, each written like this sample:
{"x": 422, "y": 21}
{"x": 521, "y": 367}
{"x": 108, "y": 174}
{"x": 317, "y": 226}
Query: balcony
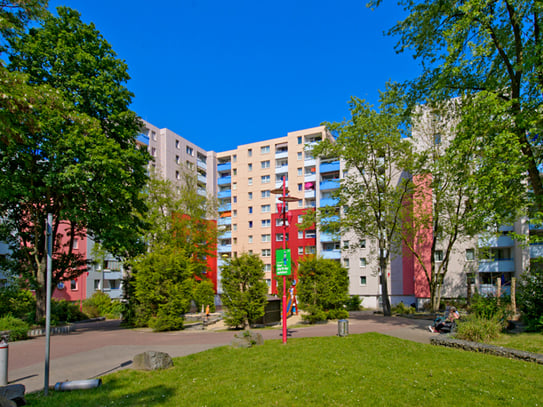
{"x": 310, "y": 177}
{"x": 142, "y": 138}
{"x": 329, "y": 202}
{"x": 225, "y": 194}
{"x": 309, "y": 194}
{"x": 310, "y": 162}
{"x": 225, "y": 221}
{"x": 224, "y": 167}
{"x": 225, "y": 207}
{"x": 202, "y": 178}
{"x": 201, "y": 164}
{"x": 328, "y": 238}
{"x": 497, "y": 266}
{"x": 331, "y": 254}
{"x": 282, "y": 169}
{"x": 202, "y": 192}
{"x": 329, "y": 167}
{"x": 224, "y": 180}
{"x": 279, "y": 184}
{"x": 114, "y": 293}
{"x": 329, "y": 185}
{"x": 281, "y": 154}
{"x": 536, "y": 250}
{"x": 226, "y": 235}
{"x": 113, "y": 275}
{"x": 224, "y": 248}
{"x": 496, "y": 241}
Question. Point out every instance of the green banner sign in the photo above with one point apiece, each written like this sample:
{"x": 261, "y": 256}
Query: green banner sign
{"x": 282, "y": 262}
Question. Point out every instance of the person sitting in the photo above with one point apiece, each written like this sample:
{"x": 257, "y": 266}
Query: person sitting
{"x": 445, "y": 324}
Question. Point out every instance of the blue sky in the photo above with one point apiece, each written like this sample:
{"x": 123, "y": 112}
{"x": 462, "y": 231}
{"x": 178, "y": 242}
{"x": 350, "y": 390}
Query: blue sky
{"x": 226, "y": 73}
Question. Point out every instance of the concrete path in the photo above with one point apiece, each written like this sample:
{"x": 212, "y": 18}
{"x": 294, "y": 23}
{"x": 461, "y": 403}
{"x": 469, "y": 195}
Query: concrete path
{"x": 98, "y": 348}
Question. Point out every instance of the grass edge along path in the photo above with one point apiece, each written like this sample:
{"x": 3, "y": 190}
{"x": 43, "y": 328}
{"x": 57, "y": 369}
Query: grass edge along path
{"x": 367, "y": 369}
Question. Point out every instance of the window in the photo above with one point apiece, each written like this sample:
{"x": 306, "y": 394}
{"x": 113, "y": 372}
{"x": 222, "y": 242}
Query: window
{"x": 234, "y": 185}
{"x": 75, "y": 244}
{"x": 438, "y": 255}
{"x": 266, "y": 238}
{"x": 250, "y": 181}
{"x": 437, "y": 138}
{"x": 250, "y": 239}
{"x": 234, "y": 199}
{"x": 153, "y": 135}
{"x": 310, "y": 234}
{"x": 266, "y": 252}
{"x": 177, "y": 159}
{"x": 96, "y": 285}
{"x": 265, "y": 194}
{"x": 363, "y": 280}
{"x": 345, "y": 244}
{"x": 267, "y": 268}
{"x": 234, "y": 213}
{"x": 250, "y": 196}
{"x": 363, "y": 243}
{"x": 362, "y": 262}
{"x": 73, "y": 284}
{"x": 266, "y": 223}
{"x": 279, "y": 177}
{"x": 177, "y": 175}
{"x": 265, "y": 179}
{"x": 190, "y": 151}
{"x": 235, "y": 171}
{"x": 346, "y": 262}
{"x": 300, "y": 186}
{"x": 250, "y": 152}
{"x": 153, "y": 151}
{"x": 299, "y": 156}
{"x": 310, "y": 250}
{"x": 300, "y": 218}
{"x": 265, "y": 208}
{"x": 265, "y": 164}
{"x": 299, "y": 139}
{"x": 300, "y": 250}
{"x": 190, "y": 165}
{"x": 470, "y": 254}
{"x": 177, "y": 144}
{"x": 250, "y": 224}
{"x": 300, "y": 203}
{"x": 250, "y": 209}
{"x": 234, "y": 158}
{"x": 250, "y": 167}
{"x": 114, "y": 284}
{"x": 300, "y": 234}
{"x": 235, "y": 227}
{"x": 300, "y": 172}
{"x": 264, "y": 149}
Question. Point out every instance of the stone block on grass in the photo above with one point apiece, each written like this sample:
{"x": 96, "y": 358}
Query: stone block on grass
{"x": 247, "y": 339}
{"x": 151, "y": 360}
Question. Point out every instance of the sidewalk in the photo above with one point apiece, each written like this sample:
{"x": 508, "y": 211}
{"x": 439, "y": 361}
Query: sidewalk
{"x": 98, "y": 348}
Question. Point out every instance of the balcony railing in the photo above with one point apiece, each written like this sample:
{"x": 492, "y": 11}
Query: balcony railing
{"x": 329, "y": 167}
{"x": 224, "y": 180}
{"x": 496, "y": 241}
{"x": 224, "y": 167}
{"x": 202, "y": 192}
{"x": 328, "y": 237}
{"x": 224, "y": 221}
{"x": 226, "y": 235}
{"x": 536, "y": 250}
{"x": 282, "y": 169}
{"x": 329, "y": 201}
{"x": 281, "y": 154}
{"x": 225, "y": 207}
{"x": 201, "y": 164}
{"x": 331, "y": 254}
{"x": 329, "y": 185}
{"x": 224, "y": 248}
{"x": 497, "y": 266}
{"x": 224, "y": 194}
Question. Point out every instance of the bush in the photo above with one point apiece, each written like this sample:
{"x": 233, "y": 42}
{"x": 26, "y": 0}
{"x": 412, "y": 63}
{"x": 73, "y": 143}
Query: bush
{"x": 492, "y": 307}
{"x": 338, "y": 313}
{"x": 530, "y": 300}
{"x": 204, "y": 294}
{"x": 100, "y": 304}
{"x": 353, "y": 303}
{"x": 401, "y": 308}
{"x": 315, "y": 315}
{"x": 167, "y": 319}
{"x": 19, "y": 329}
{"x": 17, "y": 302}
{"x": 478, "y": 329}
{"x": 66, "y": 311}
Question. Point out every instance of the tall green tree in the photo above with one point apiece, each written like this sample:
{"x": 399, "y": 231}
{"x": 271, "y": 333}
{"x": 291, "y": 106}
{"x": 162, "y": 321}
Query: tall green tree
{"x": 377, "y": 158}
{"x": 244, "y": 290}
{"x": 491, "y": 49}
{"x": 58, "y": 156}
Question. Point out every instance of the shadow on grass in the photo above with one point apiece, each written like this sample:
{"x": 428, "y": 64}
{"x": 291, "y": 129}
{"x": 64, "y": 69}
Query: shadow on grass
{"x": 110, "y": 393}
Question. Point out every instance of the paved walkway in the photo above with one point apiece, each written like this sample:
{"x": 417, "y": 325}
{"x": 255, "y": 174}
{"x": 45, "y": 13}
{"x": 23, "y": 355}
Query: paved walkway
{"x": 98, "y": 348}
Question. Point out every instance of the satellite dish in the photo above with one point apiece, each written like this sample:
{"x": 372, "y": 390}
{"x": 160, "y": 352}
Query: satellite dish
{"x": 60, "y": 286}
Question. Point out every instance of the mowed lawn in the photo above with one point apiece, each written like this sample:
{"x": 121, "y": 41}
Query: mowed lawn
{"x": 357, "y": 370}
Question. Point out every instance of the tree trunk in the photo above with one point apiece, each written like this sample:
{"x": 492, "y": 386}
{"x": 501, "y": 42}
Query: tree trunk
{"x": 41, "y": 292}
{"x": 384, "y": 282}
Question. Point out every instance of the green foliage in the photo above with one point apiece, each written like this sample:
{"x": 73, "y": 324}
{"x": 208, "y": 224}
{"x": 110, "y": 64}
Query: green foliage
{"x": 20, "y": 303}
{"x": 314, "y": 314}
{"x": 530, "y": 299}
{"x": 401, "y": 308}
{"x": 204, "y": 294}
{"x": 478, "y": 328}
{"x": 19, "y": 329}
{"x": 490, "y": 307}
{"x": 66, "y": 311}
{"x": 101, "y": 304}
{"x": 337, "y": 313}
{"x": 354, "y": 303}
{"x": 244, "y": 290}
{"x": 168, "y": 318}
{"x": 323, "y": 287}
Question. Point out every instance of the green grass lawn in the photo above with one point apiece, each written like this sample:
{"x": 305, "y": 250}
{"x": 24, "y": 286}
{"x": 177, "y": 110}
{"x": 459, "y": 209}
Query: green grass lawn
{"x": 357, "y": 370}
{"x": 529, "y": 342}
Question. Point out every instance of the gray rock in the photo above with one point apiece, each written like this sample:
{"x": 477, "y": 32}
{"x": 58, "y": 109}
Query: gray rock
{"x": 152, "y": 360}
{"x": 247, "y": 339}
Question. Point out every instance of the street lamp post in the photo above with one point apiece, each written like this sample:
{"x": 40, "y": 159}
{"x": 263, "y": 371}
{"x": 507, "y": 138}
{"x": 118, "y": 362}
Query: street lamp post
{"x": 284, "y": 198}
